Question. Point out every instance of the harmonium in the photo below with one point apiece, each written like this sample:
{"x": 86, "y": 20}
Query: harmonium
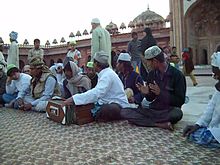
{"x": 74, "y": 114}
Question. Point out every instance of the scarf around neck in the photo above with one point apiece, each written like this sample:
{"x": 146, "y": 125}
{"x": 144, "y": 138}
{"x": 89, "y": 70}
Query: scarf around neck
{"x": 77, "y": 80}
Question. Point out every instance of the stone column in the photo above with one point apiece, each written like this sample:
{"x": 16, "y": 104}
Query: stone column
{"x": 176, "y": 33}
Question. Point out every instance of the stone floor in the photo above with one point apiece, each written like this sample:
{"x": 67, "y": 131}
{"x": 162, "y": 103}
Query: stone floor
{"x": 31, "y": 138}
{"x": 28, "y": 138}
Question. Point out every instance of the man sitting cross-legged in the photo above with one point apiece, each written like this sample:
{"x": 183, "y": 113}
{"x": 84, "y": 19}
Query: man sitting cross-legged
{"x": 43, "y": 86}
{"x": 129, "y": 78}
{"x": 165, "y": 90}
{"x": 17, "y": 86}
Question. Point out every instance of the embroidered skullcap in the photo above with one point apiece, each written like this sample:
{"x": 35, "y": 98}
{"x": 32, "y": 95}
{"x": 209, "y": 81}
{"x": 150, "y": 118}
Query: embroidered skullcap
{"x": 152, "y": 52}
{"x": 95, "y": 20}
{"x": 37, "y": 62}
{"x": 13, "y": 36}
{"x": 124, "y": 57}
{"x": 101, "y": 57}
{"x": 215, "y": 59}
{"x": 89, "y": 64}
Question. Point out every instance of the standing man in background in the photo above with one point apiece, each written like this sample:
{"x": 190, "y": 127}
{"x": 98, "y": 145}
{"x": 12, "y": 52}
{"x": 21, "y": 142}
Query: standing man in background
{"x": 36, "y": 51}
{"x": 3, "y": 63}
{"x": 134, "y": 51}
{"x": 101, "y": 40}
{"x": 13, "y": 51}
{"x": 74, "y": 53}
{"x": 188, "y": 65}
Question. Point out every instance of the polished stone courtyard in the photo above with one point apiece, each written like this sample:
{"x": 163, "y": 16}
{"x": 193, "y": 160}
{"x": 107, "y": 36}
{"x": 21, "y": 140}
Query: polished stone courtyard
{"x": 28, "y": 138}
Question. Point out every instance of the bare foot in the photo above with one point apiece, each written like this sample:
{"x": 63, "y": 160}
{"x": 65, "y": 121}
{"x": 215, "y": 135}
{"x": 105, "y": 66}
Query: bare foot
{"x": 166, "y": 125}
{"x": 8, "y": 105}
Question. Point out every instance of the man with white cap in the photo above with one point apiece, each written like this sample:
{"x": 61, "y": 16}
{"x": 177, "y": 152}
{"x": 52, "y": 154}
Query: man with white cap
{"x": 206, "y": 131}
{"x": 58, "y": 70}
{"x": 165, "y": 90}
{"x": 101, "y": 40}
{"x": 13, "y": 51}
{"x": 108, "y": 95}
{"x": 129, "y": 78}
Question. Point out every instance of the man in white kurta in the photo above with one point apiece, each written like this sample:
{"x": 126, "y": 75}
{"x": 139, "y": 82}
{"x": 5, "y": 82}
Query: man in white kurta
{"x": 13, "y": 51}
{"x": 109, "y": 89}
{"x": 101, "y": 40}
{"x": 206, "y": 130}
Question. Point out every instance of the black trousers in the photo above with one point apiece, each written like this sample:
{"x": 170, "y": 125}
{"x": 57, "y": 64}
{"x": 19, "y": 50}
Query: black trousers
{"x": 148, "y": 117}
{"x": 108, "y": 112}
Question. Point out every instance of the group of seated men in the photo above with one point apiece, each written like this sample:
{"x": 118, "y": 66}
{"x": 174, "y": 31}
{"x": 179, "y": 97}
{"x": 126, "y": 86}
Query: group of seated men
{"x": 157, "y": 101}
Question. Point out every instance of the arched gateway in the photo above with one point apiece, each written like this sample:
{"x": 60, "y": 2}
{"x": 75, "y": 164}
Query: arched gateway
{"x": 199, "y": 27}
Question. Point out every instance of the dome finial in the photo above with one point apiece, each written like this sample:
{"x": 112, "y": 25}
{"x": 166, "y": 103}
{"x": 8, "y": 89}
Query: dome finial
{"x": 148, "y": 8}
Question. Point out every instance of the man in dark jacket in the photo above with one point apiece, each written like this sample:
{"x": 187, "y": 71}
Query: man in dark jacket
{"x": 146, "y": 42}
{"x": 129, "y": 78}
{"x": 134, "y": 51}
{"x": 165, "y": 90}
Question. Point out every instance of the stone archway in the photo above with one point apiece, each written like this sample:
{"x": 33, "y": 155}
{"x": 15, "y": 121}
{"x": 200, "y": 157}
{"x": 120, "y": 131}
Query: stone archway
{"x": 204, "y": 56}
{"x": 202, "y": 21}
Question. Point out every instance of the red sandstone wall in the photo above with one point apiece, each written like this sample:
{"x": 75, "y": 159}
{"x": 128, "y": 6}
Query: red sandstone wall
{"x": 119, "y": 41}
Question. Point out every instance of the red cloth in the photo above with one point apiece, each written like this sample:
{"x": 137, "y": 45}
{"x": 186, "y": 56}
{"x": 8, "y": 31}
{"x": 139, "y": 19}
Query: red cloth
{"x": 185, "y": 56}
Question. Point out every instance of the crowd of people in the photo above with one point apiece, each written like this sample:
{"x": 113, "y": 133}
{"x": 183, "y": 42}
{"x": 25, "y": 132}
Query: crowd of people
{"x": 142, "y": 84}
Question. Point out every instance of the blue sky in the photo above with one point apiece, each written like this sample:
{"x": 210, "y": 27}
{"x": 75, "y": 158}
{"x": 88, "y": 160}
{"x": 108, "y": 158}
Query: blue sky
{"x": 53, "y": 19}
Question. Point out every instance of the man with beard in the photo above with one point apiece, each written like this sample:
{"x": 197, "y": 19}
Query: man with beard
{"x": 165, "y": 90}
{"x": 43, "y": 86}
{"x": 101, "y": 40}
{"x": 108, "y": 95}
{"x": 91, "y": 73}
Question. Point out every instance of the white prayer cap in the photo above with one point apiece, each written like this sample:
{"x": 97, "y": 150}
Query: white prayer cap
{"x": 124, "y": 57}
{"x": 152, "y": 52}
{"x": 95, "y": 20}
